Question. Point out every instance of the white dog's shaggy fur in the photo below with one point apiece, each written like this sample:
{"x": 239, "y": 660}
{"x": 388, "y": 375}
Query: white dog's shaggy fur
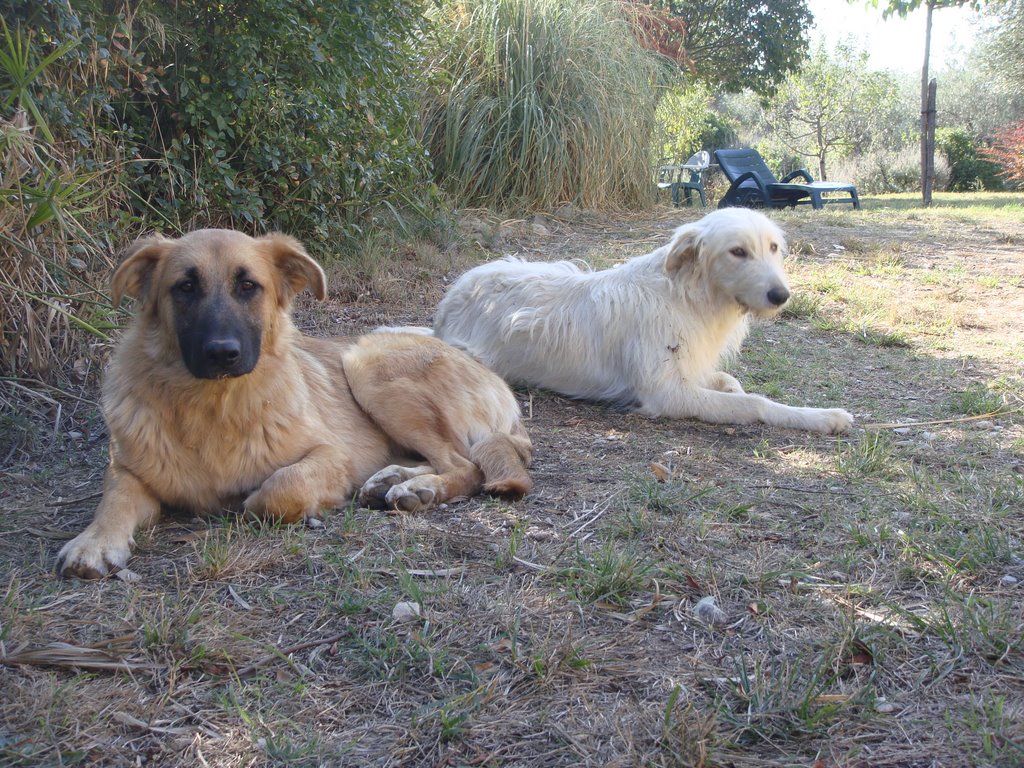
{"x": 648, "y": 335}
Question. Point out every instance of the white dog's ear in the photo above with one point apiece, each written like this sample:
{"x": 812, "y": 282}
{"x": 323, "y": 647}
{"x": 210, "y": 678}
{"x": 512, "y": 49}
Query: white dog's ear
{"x": 135, "y": 275}
{"x": 295, "y": 267}
{"x": 683, "y": 248}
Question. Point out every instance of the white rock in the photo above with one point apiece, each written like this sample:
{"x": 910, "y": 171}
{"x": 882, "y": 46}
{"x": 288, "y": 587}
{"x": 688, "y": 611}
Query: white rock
{"x": 406, "y": 611}
{"x": 1009, "y": 581}
{"x": 707, "y": 611}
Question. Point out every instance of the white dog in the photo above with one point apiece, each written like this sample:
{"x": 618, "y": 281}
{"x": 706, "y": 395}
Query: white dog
{"x": 649, "y": 335}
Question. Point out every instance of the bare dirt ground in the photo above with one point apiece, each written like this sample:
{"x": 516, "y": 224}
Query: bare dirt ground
{"x": 868, "y": 588}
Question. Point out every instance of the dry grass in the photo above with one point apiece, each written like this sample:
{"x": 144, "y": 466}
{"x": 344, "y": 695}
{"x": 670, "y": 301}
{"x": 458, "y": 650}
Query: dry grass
{"x": 871, "y": 612}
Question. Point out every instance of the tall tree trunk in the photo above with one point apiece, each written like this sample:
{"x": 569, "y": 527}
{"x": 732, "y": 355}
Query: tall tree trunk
{"x": 927, "y": 120}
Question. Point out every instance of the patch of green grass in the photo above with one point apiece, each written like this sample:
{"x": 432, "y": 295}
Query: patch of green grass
{"x": 645, "y": 492}
{"x": 510, "y": 549}
{"x": 635, "y": 523}
{"x": 872, "y": 454}
{"x": 802, "y": 306}
{"x": 997, "y": 731}
{"x": 784, "y": 699}
{"x": 985, "y": 628}
{"x": 975, "y": 402}
{"x": 880, "y": 337}
{"x": 609, "y": 575}
{"x": 688, "y": 736}
{"x": 885, "y": 264}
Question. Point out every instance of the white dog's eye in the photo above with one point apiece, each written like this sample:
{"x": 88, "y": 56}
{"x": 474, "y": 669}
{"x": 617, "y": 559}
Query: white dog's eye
{"x": 774, "y": 247}
{"x": 739, "y": 252}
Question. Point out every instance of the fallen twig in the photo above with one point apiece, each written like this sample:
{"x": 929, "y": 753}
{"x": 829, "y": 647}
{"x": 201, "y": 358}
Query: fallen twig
{"x": 959, "y": 419}
{"x": 282, "y": 653}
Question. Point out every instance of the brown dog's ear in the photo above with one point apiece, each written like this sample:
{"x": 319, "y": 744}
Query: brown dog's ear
{"x": 683, "y": 248}
{"x": 135, "y": 275}
{"x": 296, "y": 267}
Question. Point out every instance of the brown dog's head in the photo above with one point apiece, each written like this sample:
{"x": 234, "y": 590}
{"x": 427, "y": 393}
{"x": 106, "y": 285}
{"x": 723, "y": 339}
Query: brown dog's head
{"x": 216, "y": 294}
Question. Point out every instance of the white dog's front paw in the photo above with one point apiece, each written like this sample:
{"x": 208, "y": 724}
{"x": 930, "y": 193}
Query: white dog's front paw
{"x": 832, "y": 421}
{"x": 94, "y": 553}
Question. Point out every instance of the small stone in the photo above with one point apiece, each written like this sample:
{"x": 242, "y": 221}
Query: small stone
{"x": 928, "y": 436}
{"x": 1009, "y": 581}
{"x": 707, "y": 611}
{"x": 127, "y": 576}
{"x": 567, "y": 212}
{"x": 314, "y": 522}
{"x": 902, "y": 430}
{"x": 77, "y": 265}
{"x": 984, "y": 424}
{"x": 884, "y": 707}
{"x": 406, "y": 611}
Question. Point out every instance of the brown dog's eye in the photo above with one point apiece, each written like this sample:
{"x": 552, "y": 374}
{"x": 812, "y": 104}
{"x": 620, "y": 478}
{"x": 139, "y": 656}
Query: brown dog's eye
{"x": 739, "y": 252}
{"x": 248, "y": 287}
{"x": 186, "y": 286}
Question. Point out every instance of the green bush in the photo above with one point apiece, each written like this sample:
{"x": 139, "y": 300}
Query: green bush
{"x": 884, "y": 171}
{"x": 118, "y": 117}
{"x": 968, "y": 171}
{"x": 536, "y": 102}
{"x": 279, "y": 114}
{"x": 681, "y": 120}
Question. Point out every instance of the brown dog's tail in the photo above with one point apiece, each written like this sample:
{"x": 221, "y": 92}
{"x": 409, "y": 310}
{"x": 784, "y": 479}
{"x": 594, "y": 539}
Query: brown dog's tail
{"x": 503, "y": 459}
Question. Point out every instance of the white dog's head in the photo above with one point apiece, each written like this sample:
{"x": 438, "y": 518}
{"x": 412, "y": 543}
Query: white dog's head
{"x": 735, "y": 253}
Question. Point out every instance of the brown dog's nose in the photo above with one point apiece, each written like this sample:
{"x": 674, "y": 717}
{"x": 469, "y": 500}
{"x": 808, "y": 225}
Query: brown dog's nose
{"x": 778, "y": 296}
{"x": 222, "y": 352}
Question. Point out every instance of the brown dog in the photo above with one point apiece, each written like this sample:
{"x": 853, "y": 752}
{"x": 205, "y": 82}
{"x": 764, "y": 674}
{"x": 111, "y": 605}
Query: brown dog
{"x": 213, "y": 398}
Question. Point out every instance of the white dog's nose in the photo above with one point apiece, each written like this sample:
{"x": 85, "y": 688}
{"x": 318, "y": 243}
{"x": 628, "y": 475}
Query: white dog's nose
{"x": 778, "y": 296}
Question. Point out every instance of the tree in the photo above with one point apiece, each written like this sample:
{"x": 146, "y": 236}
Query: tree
{"x": 903, "y": 8}
{"x": 737, "y": 44}
{"x": 1003, "y": 43}
{"x": 826, "y": 108}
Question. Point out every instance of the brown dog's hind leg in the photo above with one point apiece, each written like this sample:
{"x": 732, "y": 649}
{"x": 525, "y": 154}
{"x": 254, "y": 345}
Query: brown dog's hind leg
{"x": 435, "y": 401}
{"x": 107, "y": 542}
{"x": 503, "y": 459}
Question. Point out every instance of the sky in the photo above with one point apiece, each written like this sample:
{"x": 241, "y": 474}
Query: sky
{"x": 894, "y": 43}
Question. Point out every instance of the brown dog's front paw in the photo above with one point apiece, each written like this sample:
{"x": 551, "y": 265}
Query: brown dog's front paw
{"x": 93, "y": 554}
{"x": 274, "y": 501}
{"x": 412, "y": 495}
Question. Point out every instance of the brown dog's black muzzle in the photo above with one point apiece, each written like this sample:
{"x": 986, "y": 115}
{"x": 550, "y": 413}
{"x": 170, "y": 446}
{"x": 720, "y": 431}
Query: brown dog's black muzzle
{"x": 218, "y": 338}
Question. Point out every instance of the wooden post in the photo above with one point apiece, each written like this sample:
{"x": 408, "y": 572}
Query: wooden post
{"x": 927, "y": 148}
{"x": 928, "y": 169}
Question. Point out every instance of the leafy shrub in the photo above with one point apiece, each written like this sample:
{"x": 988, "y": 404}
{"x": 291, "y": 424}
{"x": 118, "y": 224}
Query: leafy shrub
{"x": 884, "y": 171}
{"x": 682, "y": 118}
{"x": 536, "y": 102}
{"x": 967, "y": 170}
{"x": 52, "y": 248}
{"x": 137, "y": 114}
{"x": 268, "y": 114}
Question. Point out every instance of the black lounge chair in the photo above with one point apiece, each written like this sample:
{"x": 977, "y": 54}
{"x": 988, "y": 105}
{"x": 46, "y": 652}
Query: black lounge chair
{"x": 753, "y": 185}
